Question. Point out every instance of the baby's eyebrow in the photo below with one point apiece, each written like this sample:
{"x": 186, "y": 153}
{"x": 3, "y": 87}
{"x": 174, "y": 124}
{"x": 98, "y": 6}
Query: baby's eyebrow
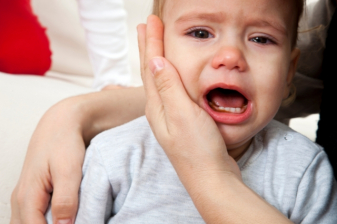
{"x": 268, "y": 23}
{"x": 212, "y": 17}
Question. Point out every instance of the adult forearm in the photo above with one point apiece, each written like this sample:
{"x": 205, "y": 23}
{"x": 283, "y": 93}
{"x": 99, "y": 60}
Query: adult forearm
{"x": 218, "y": 192}
{"x": 223, "y": 198}
{"x": 96, "y": 112}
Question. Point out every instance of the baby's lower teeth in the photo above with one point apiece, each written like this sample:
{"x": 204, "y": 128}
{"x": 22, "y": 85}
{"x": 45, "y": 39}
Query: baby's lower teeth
{"x": 228, "y": 109}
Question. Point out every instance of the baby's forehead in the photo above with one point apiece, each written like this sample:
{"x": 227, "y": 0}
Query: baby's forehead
{"x": 175, "y": 10}
{"x": 281, "y": 13}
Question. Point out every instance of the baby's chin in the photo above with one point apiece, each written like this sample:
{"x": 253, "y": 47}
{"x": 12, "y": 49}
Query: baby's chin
{"x": 234, "y": 138}
{"x": 237, "y": 151}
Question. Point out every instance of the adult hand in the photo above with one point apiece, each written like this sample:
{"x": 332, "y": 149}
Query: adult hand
{"x": 53, "y": 164}
{"x": 192, "y": 141}
{"x": 177, "y": 122}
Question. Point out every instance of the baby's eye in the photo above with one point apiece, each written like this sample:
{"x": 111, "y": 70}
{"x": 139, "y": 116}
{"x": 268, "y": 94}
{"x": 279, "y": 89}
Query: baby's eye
{"x": 261, "y": 40}
{"x": 201, "y": 34}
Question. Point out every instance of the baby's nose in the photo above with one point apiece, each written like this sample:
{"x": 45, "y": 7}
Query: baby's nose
{"x": 231, "y": 58}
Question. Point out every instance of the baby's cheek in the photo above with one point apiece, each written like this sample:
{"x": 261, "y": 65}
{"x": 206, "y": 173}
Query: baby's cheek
{"x": 189, "y": 80}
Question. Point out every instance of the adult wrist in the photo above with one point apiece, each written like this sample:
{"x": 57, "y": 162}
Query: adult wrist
{"x": 68, "y": 113}
{"x": 82, "y": 114}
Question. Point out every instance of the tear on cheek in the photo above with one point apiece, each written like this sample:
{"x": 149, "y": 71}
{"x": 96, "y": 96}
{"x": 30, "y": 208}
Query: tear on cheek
{"x": 227, "y": 101}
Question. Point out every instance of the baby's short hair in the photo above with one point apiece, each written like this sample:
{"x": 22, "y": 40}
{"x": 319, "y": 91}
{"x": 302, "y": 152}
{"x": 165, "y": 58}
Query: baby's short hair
{"x": 158, "y": 6}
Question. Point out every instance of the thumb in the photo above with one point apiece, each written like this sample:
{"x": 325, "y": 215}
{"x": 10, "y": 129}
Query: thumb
{"x": 170, "y": 87}
{"x": 64, "y": 202}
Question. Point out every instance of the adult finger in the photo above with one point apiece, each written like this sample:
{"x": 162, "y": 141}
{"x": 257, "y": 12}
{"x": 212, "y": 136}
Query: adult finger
{"x": 29, "y": 202}
{"x": 66, "y": 182}
{"x": 150, "y": 42}
{"x": 141, "y": 31}
{"x": 154, "y": 47}
{"x": 15, "y": 216}
{"x": 176, "y": 101}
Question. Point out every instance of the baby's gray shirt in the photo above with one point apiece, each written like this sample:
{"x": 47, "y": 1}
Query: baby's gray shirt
{"x": 127, "y": 178}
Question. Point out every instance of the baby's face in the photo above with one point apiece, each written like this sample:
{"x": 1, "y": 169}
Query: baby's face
{"x": 234, "y": 58}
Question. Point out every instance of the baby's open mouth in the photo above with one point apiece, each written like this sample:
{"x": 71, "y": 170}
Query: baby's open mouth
{"x": 227, "y": 101}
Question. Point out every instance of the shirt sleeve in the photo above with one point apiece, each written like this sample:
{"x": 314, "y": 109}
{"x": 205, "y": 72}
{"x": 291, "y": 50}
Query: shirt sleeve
{"x": 105, "y": 26}
{"x": 316, "y": 200}
{"x": 95, "y": 196}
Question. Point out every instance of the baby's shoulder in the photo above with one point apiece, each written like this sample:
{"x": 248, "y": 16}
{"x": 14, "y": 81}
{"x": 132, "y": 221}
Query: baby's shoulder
{"x": 292, "y": 173}
{"x": 125, "y": 139}
{"x": 128, "y": 131}
{"x": 289, "y": 144}
{"x": 282, "y": 135}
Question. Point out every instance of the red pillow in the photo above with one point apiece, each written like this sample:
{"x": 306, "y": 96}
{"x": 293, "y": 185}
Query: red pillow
{"x": 24, "y": 45}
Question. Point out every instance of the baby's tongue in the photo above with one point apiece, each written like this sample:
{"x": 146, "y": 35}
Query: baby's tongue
{"x": 226, "y": 98}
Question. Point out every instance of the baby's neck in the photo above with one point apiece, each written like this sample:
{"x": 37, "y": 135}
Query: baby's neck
{"x": 237, "y": 153}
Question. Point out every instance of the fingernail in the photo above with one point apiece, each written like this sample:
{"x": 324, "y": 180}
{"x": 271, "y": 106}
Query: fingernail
{"x": 64, "y": 221}
{"x": 156, "y": 64}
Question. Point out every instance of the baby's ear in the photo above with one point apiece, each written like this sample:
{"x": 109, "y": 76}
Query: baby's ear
{"x": 289, "y": 94}
{"x": 294, "y": 57}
